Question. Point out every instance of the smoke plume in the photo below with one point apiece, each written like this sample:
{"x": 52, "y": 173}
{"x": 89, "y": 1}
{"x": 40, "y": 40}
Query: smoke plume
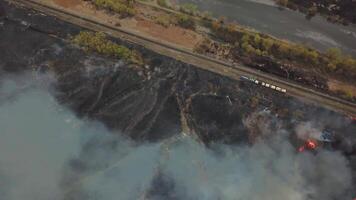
{"x": 46, "y": 152}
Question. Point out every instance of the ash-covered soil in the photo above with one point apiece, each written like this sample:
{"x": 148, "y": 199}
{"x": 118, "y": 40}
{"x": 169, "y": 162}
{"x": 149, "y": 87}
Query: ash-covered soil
{"x": 157, "y": 96}
{"x": 161, "y": 99}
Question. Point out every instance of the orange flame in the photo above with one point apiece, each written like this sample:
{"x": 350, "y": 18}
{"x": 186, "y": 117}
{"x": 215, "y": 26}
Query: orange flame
{"x": 301, "y": 149}
{"x": 311, "y": 144}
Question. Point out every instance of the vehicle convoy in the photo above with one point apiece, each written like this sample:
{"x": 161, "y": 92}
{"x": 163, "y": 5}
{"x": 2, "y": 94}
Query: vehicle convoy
{"x": 267, "y": 85}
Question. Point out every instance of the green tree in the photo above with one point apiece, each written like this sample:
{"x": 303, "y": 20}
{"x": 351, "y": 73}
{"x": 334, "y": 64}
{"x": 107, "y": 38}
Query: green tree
{"x": 257, "y": 40}
{"x": 266, "y": 44}
{"x": 99, "y": 43}
{"x": 334, "y": 54}
{"x": 186, "y": 21}
{"x": 162, "y": 3}
{"x": 189, "y": 8}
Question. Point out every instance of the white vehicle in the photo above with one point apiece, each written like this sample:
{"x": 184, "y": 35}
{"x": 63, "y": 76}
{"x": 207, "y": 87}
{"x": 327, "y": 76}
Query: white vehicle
{"x": 257, "y": 82}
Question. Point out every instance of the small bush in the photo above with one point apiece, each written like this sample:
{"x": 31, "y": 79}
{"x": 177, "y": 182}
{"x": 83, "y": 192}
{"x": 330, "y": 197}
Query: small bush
{"x": 162, "y": 3}
{"x": 163, "y": 20}
{"x": 346, "y": 94}
{"x": 122, "y": 7}
{"x": 250, "y": 43}
{"x": 99, "y": 43}
{"x": 189, "y": 8}
{"x": 185, "y": 21}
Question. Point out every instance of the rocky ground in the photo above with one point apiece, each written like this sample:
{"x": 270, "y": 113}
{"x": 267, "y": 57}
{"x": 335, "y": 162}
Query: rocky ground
{"x": 161, "y": 99}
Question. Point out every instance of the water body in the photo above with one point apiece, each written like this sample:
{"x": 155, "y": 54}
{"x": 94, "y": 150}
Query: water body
{"x": 264, "y": 16}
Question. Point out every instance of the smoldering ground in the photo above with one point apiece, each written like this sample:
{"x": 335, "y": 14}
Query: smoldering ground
{"x": 46, "y": 152}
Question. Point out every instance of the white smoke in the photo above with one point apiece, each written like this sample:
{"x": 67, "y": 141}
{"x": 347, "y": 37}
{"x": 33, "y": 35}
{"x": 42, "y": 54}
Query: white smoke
{"x": 307, "y": 130}
{"x": 266, "y": 171}
{"x": 35, "y": 142}
{"x": 40, "y": 140}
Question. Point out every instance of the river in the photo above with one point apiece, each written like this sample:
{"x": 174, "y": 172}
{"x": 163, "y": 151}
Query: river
{"x": 264, "y": 16}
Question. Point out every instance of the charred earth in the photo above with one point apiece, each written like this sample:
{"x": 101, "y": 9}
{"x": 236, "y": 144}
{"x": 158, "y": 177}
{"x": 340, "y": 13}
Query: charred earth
{"x": 161, "y": 98}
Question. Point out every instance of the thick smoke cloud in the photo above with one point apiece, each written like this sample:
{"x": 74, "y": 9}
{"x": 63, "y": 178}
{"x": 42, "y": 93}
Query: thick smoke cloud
{"x": 266, "y": 171}
{"x": 36, "y": 140}
{"x": 46, "y": 152}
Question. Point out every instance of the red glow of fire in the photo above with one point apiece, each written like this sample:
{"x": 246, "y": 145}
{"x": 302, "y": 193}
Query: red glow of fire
{"x": 301, "y": 149}
{"x": 309, "y": 144}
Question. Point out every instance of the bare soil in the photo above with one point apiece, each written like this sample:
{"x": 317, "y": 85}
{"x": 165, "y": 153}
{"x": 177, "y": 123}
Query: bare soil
{"x": 67, "y": 3}
{"x": 335, "y": 86}
{"x": 141, "y": 23}
{"x": 171, "y": 34}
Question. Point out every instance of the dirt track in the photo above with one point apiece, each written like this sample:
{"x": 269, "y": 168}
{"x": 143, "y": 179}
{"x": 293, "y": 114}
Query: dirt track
{"x": 203, "y": 62}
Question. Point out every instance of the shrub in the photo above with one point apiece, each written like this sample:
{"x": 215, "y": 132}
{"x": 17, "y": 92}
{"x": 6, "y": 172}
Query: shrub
{"x": 99, "y": 43}
{"x": 185, "y": 21}
{"x": 207, "y": 16}
{"x": 346, "y": 94}
{"x": 259, "y": 44}
{"x": 122, "y": 7}
{"x": 162, "y": 3}
{"x": 189, "y": 8}
{"x": 163, "y": 20}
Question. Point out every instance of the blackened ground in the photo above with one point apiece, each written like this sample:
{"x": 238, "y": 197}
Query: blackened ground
{"x": 143, "y": 102}
{"x": 151, "y": 102}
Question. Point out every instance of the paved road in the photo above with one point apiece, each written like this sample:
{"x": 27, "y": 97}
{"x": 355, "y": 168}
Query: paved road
{"x": 200, "y": 61}
{"x": 264, "y": 16}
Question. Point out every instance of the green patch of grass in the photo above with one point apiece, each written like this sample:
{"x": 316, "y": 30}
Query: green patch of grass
{"x": 123, "y": 7}
{"x": 99, "y": 43}
{"x": 163, "y": 20}
{"x": 185, "y": 21}
{"x": 346, "y": 94}
{"x": 189, "y": 8}
{"x": 162, "y": 3}
{"x": 333, "y": 62}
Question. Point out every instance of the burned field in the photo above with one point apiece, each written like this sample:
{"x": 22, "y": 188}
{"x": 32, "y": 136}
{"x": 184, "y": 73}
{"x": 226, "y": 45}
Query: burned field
{"x": 164, "y": 97}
